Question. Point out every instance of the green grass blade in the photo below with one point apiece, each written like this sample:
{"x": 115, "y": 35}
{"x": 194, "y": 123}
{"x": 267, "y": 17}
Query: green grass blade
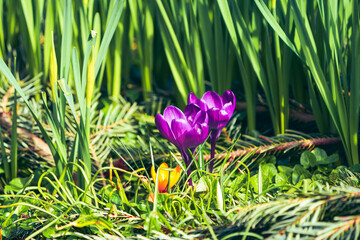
{"x": 2, "y": 30}
{"x": 14, "y": 148}
{"x": 195, "y": 53}
{"x": 174, "y": 63}
{"x": 28, "y": 12}
{"x": 249, "y": 84}
{"x": 208, "y": 41}
{"x": 84, "y": 143}
{"x": 355, "y": 84}
{"x": 49, "y": 27}
{"x": 97, "y": 29}
{"x": 116, "y": 79}
{"x": 80, "y": 93}
{"x": 174, "y": 52}
{"x": 4, "y": 159}
{"x": 142, "y": 14}
{"x": 312, "y": 60}
{"x": 58, "y": 156}
{"x": 30, "y": 23}
{"x": 109, "y": 32}
{"x": 60, "y": 149}
{"x": 66, "y": 41}
{"x": 275, "y": 25}
{"x": 332, "y": 95}
{"x": 89, "y": 46}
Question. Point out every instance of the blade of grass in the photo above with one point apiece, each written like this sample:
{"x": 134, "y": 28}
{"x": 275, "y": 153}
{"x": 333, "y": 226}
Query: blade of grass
{"x": 14, "y": 148}
{"x": 2, "y": 30}
{"x": 249, "y": 85}
{"x": 355, "y": 84}
{"x": 66, "y": 41}
{"x": 49, "y": 27}
{"x": 58, "y": 157}
{"x": 275, "y": 25}
{"x": 28, "y": 12}
{"x": 185, "y": 62}
{"x": 4, "y": 159}
{"x": 109, "y": 32}
{"x": 78, "y": 83}
{"x": 115, "y": 84}
{"x": 332, "y": 93}
{"x": 142, "y": 21}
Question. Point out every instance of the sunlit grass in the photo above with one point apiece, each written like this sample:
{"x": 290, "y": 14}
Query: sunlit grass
{"x": 83, "y": 154}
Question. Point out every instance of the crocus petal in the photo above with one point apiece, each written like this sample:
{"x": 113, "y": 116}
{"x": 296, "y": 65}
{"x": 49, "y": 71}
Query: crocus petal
{"x": 191, "y": 111}
{"x": 179, "y": 128}
{"x": 163, "y": 177}
{"x": 213, "y": 115}
{"x": 192, "y": 138}
{"x": 153, "y": 174}
{"x": 225, "y": 114}
{"x": 192, "y": 99}
{"x": 212, "y": 100}
{"x": 174, "y": 176}
{"x": 229, "y": 108}
{"x": 224, "y": 118}
{"x": 201, "y": 117}
{"x": 164, "y": 128}
{"x": 204, "y": 132}
{"x": 203, "y": 105}
{"x": 172, "y": 112}
{"x": 196, "y": 136}
{"x": 228, "y": 98}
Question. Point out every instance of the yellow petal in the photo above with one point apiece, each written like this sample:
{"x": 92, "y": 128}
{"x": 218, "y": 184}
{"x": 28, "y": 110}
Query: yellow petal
{"x": 163, "y": 177}
{"x": 153, "y": 174}
{"x": 174, "y": 176}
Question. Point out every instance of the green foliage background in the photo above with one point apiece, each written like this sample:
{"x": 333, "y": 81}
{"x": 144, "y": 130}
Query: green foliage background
{"x": 73, "y": 101}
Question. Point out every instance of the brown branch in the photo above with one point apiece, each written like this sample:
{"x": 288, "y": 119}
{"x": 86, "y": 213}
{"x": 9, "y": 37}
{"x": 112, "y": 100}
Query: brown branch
{"x": 306, "y": 143}
{"x": 97, "y": 162}
{"x": 69, "y": 134}
{"x": 270, "y": 148}
{"x": 6, "y": 97}
{"x": 108, "y": 127}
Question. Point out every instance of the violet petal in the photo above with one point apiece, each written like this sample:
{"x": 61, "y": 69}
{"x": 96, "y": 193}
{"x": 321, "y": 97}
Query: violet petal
{"x": 180, "y": 127}
{"x": 201, "y": 117}
{"x": 229, "y": 97}
{"x": 212, "y": 100}
{"x": 224, "y": 118}
{"x": 172, "y": 112}
{"x": 192, "y": 99}
{"x": 203, "y": 105}
{"x": 191, "y": 111}
{"x": 164, "y": 128}
{"x": 213, "y": 118}
{"x": 195, "y": 136}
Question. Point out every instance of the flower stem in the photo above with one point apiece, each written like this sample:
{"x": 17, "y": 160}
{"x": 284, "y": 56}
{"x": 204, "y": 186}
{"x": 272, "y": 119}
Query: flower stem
{"x": 187, "y": 158}
{"x": 190, "y": 180}
{"x": 213, "y": 137}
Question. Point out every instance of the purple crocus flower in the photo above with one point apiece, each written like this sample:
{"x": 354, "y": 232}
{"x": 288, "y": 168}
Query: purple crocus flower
{"x": 219, "y": 110}
{"x": 186, "y": 130}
